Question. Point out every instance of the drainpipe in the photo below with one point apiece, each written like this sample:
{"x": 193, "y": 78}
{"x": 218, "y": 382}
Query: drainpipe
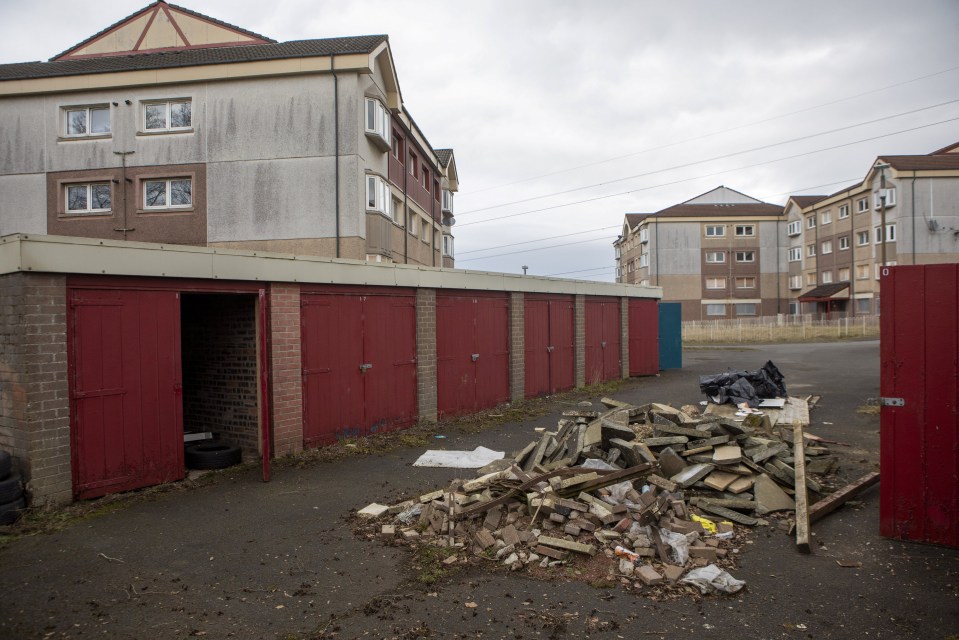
{"x": 123, "y": 191}
{"x": 852, "y": 259}
{"x": 779, "y": 283}
{"x": 912, "y": 213}
{"x": 406, "y": 197}
{"x": 336, "y": 151}
{"x": 432, "y": 226}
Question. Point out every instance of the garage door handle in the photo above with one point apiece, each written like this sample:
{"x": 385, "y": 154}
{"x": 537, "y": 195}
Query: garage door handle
{"x": 549, "y": 349}
{"x": 603, "y": 344}
{"x": 475, "y": 357}
{"x": 365, "y": 366}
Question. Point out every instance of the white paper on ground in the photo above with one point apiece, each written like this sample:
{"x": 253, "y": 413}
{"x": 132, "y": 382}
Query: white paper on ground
{"x": 479, "y": 457}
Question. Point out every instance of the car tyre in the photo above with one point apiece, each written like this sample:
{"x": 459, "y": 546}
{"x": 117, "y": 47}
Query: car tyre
{"x": 212, "y": 455}
{"x": 10, "y": 489}
{"x": 10, "y": 511}
{"x": 6, "y": 464}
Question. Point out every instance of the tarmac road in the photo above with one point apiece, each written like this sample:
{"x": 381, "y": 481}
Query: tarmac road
{"x": 244, "y": 559}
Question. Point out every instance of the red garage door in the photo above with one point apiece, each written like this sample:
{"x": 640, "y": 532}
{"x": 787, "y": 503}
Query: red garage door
{"x": 549, "y": 344}
{"x": 359, "y": 364}
{"x": 643, "y": 337}
{"x": 602, "y": 340}
{"x": 126, "y": 413}
{"x": 472, "y": 351}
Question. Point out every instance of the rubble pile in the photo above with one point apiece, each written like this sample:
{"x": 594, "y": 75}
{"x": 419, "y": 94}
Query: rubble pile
{"x": 658, "y": 490}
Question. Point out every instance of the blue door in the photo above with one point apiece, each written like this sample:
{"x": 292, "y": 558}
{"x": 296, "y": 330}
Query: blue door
{"x": 670, "y": 335}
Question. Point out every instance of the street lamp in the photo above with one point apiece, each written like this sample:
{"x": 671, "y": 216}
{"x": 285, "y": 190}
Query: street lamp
{"x": 524, "y": 269}
{"x": 882, "y": 166}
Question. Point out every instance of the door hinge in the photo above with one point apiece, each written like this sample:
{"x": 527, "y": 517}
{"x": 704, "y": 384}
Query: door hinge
{"x": 475, "y": 357}
{"x": 365, "y": 366}
{"x": 892, "y": 402}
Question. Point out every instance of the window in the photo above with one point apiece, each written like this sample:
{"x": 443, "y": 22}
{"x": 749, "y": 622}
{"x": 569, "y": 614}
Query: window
{"x": 844, "y": 274}
{"x": 862, "y": 271}
{"x": 862, "y": 305}
{"x": 795, "y": 254}
{"x": 447, "y": 246}
{"x": 715, "y": 231}
{"x": 794, "y": 228}
{"x": 862, "y": 238}
{"x": 643, "y": 260}
{"x": 746, "y": 282}
{"x": 86, "y": 121}
{"x": 167, "y": 194}
{"x": 795, "y": 282}
{"x": 827, "y": 247}
{"x": 826, "y": 217}
{"x": 843, "y": 212}
{"x": 810, "y": 250}
{"x": 619, "y": 252}
{"x": 843, "y": 243}
{"x": 794, "y": 308}
{"x": 427, "y": 228}
{"x": 644, "y": 282}
{"x": 811, "y": 221}
{"x": 810, "y": 279}
{"x": 378, "y": 196}
{"x": 890, "y": 233}
{"x": 890, "y": 198}
{"x": 827, "y": 277}
{"x": 745, "y": 230}
{"x": 715, "y": 257}
{"x": 447, "y": 205}
{"x": 715, "y": 309}
{"x": 378, "y": 122}
{"x": 745, "y": 256}
{"x": 414, "y": 166}
{"x": 414, "y": 227}
{"x": 175, "y": 115}
{"x": 862, "y": 205}
{"x": 86, "y": 199}
{"x": 397, "y": 146}
{"x": 425, "y": 174}
{"x": 715, "y": 283}
{"x": 746, "y": 309}
{"x": 644, "y": 235}
{"x": 396, "y": 208}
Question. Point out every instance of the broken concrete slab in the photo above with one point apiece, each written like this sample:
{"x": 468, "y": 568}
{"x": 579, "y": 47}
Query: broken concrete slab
{"x": 670, "y": 462}
{"x": 720, "y": 480}
{"x": 769, "y": 497}
{"x": 690, "y": 475}
{"x": 727, "y": 454}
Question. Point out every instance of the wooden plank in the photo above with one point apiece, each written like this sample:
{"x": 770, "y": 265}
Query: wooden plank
{"x": 802, "y": 499}
{"x": 729, "y": 514}
{"x": 839, "y": 498}
{"x": 608, "y": 479}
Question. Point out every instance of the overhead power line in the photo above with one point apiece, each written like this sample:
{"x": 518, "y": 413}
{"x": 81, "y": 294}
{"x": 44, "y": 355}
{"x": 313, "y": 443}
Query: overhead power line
{"x": 552, "y": 246}
{"x": 710, "y": 175}
{"x": 713, "y": 134}
{"x": 712, "y": 159}
{"x": 565, "y": 235}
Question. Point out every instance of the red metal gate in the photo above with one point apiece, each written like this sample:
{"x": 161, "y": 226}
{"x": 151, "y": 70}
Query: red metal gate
{"x": 472, "y": 351}
{"x": 919, "y": 441}
{"x": 359, "y": 364}
{"x": 548, "y": 344}
{"x": 602, "y": 340}
{"x": 643, "y": 337}
{"x": 126, "y": 410}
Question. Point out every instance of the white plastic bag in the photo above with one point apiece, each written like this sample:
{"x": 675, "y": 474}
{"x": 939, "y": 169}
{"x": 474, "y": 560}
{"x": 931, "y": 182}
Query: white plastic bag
{"x": 712, "y": 579}
{"x": 679, "y": 544}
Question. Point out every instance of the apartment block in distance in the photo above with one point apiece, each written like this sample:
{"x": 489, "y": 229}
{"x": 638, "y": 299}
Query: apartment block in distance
{"x": 170, "y": 126}
{"x": 718, "y": 254}
{"x": 905, "y": 211}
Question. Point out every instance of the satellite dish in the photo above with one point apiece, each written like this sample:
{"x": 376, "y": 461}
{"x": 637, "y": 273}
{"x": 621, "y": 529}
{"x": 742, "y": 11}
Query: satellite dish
{"x": 451, "y": 221}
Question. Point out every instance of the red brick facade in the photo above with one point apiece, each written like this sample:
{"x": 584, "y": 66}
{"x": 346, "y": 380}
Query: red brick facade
{"x": 286, "y": 372}
{"x": 517, "y": 347}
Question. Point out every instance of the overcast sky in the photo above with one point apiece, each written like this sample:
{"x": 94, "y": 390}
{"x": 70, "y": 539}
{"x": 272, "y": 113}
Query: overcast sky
{"x": 566, "y": 115}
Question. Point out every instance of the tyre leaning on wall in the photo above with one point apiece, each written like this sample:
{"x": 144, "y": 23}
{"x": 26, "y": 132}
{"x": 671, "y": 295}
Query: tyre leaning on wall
{"x": 214, "y": 455}
{"x": 12, "y": 501}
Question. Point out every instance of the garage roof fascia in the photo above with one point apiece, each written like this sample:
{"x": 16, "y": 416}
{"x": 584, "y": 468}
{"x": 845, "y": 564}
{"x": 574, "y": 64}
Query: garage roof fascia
{"x": 89, "y": 256}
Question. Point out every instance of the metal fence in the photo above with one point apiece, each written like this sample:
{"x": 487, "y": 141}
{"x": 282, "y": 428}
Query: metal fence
{"x": 782, "y": 328}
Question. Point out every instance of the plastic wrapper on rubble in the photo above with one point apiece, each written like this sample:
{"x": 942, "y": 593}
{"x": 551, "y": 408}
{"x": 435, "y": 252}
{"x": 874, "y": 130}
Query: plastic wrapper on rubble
{"x": 750, "y": 387}
{"x": 712, "y": 579}
{"x": 679, "y": 544}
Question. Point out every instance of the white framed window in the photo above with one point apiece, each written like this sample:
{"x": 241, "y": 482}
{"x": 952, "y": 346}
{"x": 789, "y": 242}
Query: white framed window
{"x": 795, "y": 254}
{"x": 844, "y": 274}
{"x": 715, "y": 257}
{"x": 843, "y": 211}
{"x": 794, "y": 308}
{"x": 745, "y": 308}
{"x": 173, "y": 193}
{"x": 84, "y": 122}
{"x": 378, "y": 122}
{"x": 827, "y": 247}
{"x": 87, "y": 199}
{"x": 619, "y": 251}
{"x": 414, "y": 226}
{"x": 715, "y": 231}
{"x": 843, "y": 243}
{"x": 644, "y": 235}
{"x": 426, "y": 227}
{"x": 745, "y": 256}
{"x": 863, "y": 306}
{"x": 795, "y": 282}
{"x": 378, "y": 196}
{"x": 810, "y": 251}
{"x": 715, "y": 309}
{"x": 643, "y": 260}
{"x": 862, "y": 271}
{"x": 862, "y": 238}
{"x": 811, "y": 221}
{"x": 827, "y": 277}
{"x": 447, "y": 205}
{"x": 890, "y": 233}
{"x": 794, "y": 228}
{"x": 810, "y": 279}
{"x": 447, "y": 246}
{"x": 173, "y": 115}
{"x": 644, "y": 282}
{"x": 715, "y": 283}
{"x": 396, "y": 210}
{"x": 745, "y": 230}
{"x": 890, "y": 198}
{"x": 746, "y": 282}
{"x": 826, "y": 217}
{"x": 862, "y": 205}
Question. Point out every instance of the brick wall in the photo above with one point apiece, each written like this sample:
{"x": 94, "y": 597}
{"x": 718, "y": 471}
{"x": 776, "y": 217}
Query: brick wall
{"x": 624, "y": 337}
{"x": 286, "y": 373}
{"x": 517, "y": 346}
{"x": 426, "y": 353}
{"x": 579, "y": 340}
{"x": 34, "y": 395}
{"x": 220, "y": 367}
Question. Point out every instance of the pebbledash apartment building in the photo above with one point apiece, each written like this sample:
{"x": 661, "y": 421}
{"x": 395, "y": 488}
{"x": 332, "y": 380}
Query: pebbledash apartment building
{"x": 170, "y": 126}
{"x": 726, "y": 255}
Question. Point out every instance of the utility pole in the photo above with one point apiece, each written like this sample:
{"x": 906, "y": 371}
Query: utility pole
{"x": 882, "y": 209}
{"x": 524, "y": 269}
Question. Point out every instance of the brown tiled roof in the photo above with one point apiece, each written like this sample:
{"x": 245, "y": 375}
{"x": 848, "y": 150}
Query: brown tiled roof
{"x": 824, "y": 291}
{"x": 805, "y": 201}
{"x": 192, "y": 57}
{"x": 953, "y": 148}
{"x": 845, "y": 189}
{"x": 232, "y": 27}
{"x": 632, "y": 219}
{"x": 720, "y": 210}
{"x": 444, "y": 156}
{"x": 923, "y": 163}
